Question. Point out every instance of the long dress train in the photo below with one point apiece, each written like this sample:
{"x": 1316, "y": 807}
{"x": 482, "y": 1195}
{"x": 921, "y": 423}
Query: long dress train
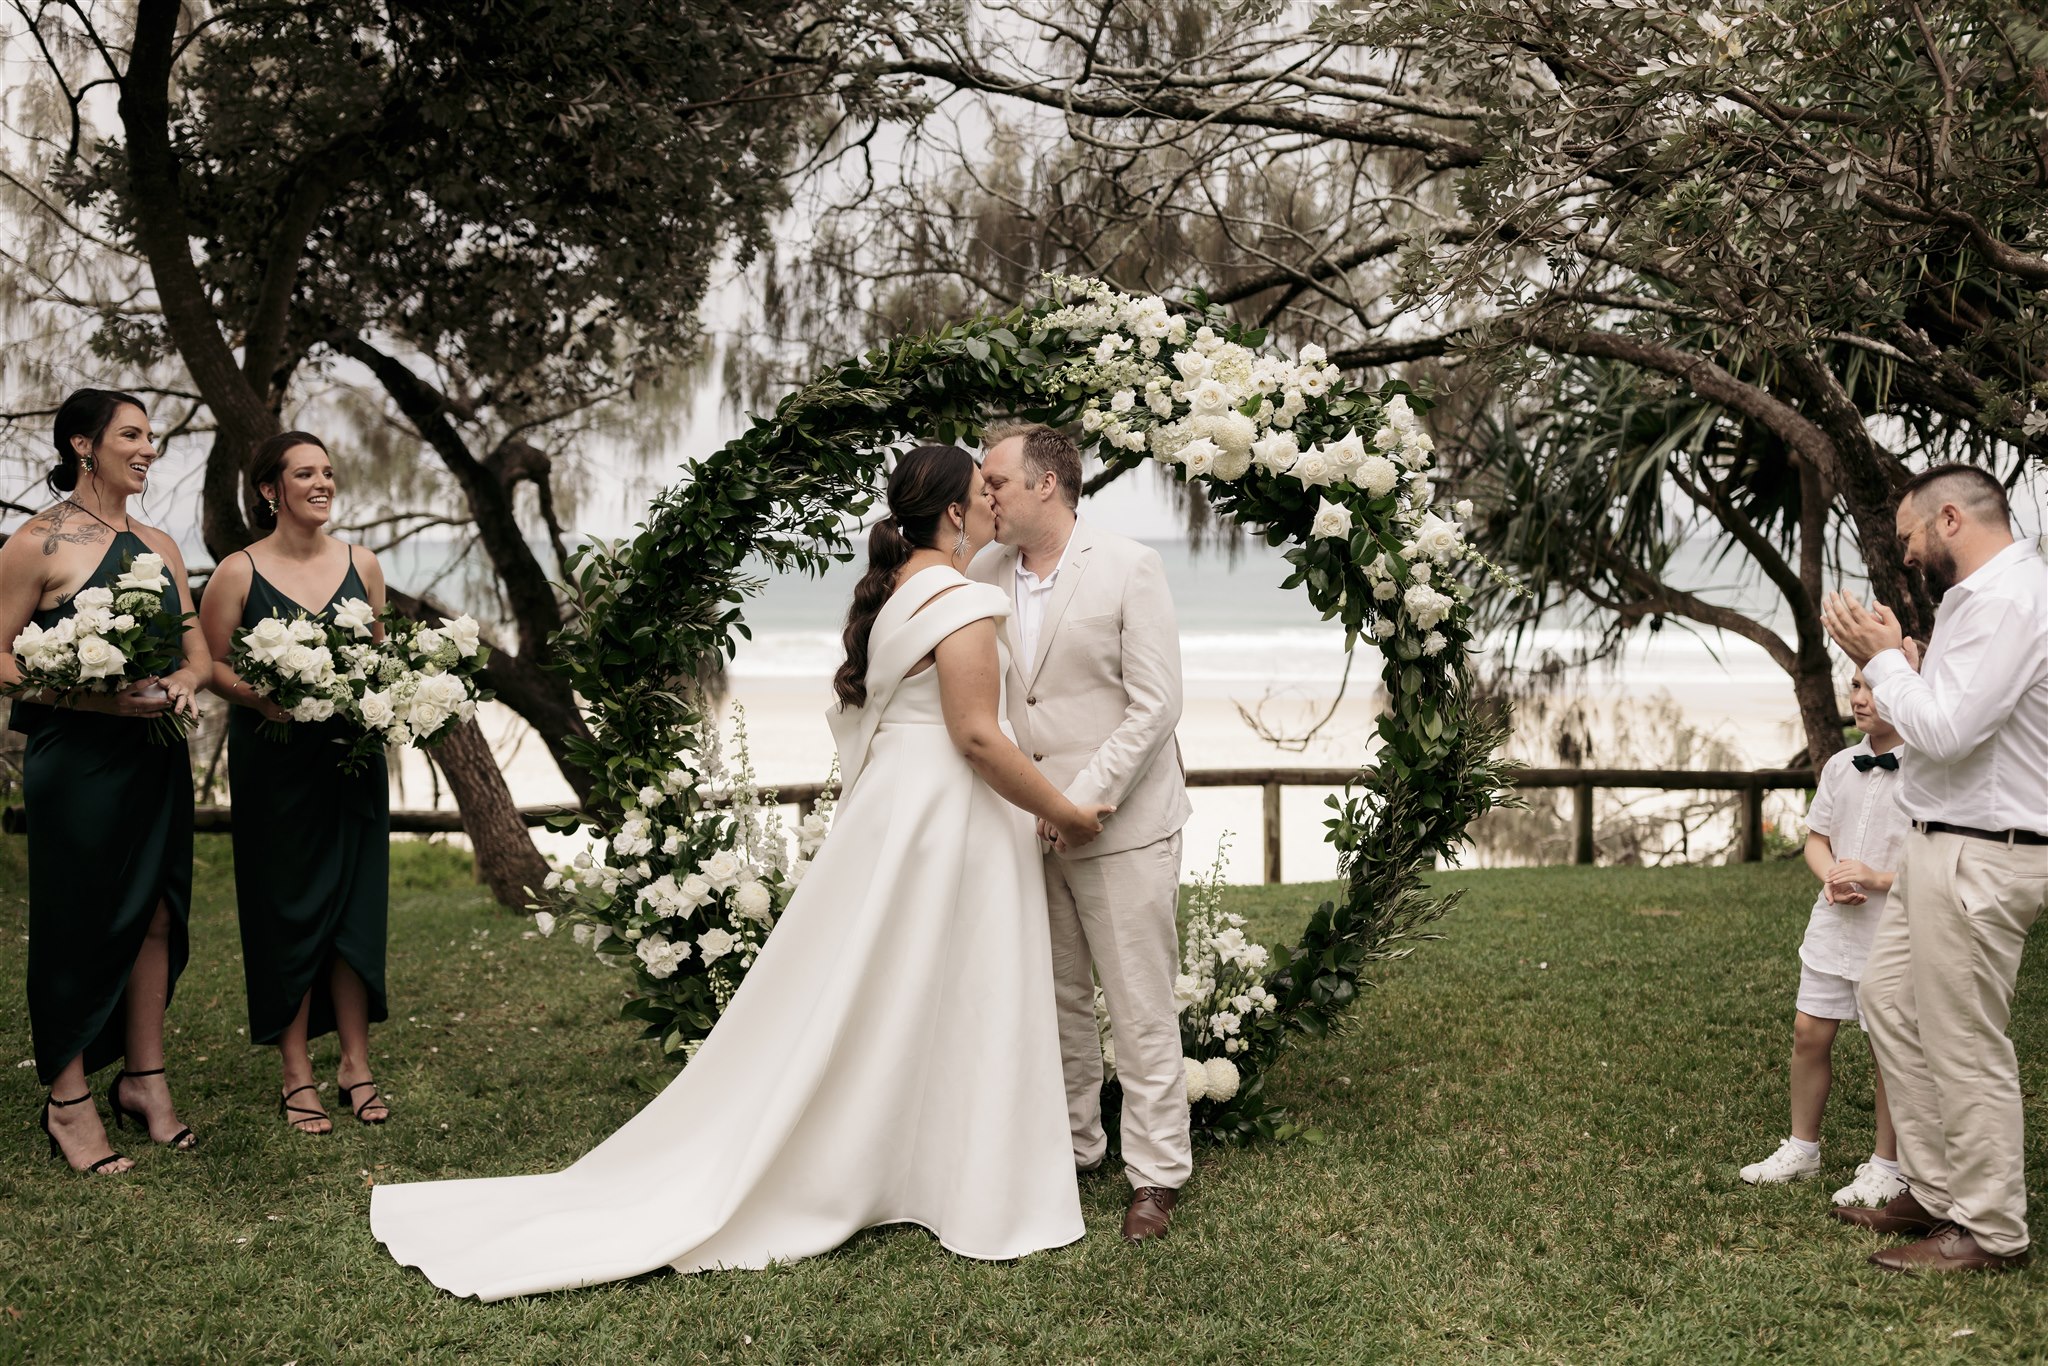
{"x": 109, "y": 839}
{"x": 892, "y": 1056}
{"x": 312, "y": 851}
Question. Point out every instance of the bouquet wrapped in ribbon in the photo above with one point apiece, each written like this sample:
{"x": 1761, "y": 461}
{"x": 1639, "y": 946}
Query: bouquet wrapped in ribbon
{"x": 114, "y": 636}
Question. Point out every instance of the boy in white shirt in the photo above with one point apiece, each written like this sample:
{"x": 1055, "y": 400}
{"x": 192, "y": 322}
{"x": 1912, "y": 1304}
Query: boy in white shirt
{"x": 1856, "y": 833}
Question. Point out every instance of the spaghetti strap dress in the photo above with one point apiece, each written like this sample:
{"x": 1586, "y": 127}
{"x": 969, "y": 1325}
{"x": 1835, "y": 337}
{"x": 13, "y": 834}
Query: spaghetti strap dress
{"x": 312, "y": 850}
{"x": 109, "y": 840}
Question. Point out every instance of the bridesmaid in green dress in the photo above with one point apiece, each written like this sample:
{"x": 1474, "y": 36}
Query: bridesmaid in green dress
{"x": 109, "y": 811}
{"x": 312, "y": 843}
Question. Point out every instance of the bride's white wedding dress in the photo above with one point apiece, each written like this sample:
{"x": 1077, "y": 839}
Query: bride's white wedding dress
{"x": 891, "y": 1058}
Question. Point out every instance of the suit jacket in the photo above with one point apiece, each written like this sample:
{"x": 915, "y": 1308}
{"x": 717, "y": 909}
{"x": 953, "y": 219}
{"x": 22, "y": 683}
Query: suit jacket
{"x": 1096, "y": 710}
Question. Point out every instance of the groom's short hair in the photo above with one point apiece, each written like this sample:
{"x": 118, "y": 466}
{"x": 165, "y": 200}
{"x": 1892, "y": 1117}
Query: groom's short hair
{"x": 1045, "y": 448}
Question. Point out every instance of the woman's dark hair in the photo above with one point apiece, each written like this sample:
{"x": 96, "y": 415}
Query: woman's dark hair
{"x": 923, "y": 485}
{"x": 266, "y": 465}
{"x": 87, "y": 413}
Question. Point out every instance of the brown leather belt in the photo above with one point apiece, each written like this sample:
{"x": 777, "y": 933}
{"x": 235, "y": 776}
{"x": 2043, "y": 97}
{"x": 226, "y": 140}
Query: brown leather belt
{"x": 1995, "y": 836}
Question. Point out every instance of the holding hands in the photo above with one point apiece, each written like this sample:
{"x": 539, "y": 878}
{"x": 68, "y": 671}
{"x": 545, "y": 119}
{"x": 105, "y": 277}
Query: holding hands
{"x": 1076, "y": 830}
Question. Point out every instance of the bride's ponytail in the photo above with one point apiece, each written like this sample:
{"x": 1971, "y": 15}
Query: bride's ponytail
{"x": 923, "y": 485}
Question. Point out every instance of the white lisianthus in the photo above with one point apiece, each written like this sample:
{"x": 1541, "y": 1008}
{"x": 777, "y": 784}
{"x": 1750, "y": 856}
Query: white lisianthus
{"x": 1207, "y": 341}
{"x": 1462, "y": 509}
{"x": 1433, "y": 644}
{"x": 1399, "y": 415}
{"x": 1153, "y": 324}
{"x": 811, "y": 834}
{"x": 752, "y": 900}
{"x": 1386, "y": 439}
{"x": 661, "y": 957}
{"x": 1221, "y": 1078}
{"x": 672, "y": 843}
{"x": 544, "y": 921}
{"x": 1121, "y": 400}
{"x": 1312, "y": 355}
{"x": 715, "y": 944}
{"x": 1197, "y": 1077}
{"x": 551, "y": 881}
{"x": 1384, "y": 628}
{"x": 99, "y": 659}
{"x": 310, "y": 709}
{"x": 586, "y": 935}
{"x": 675, "y": 780}
{"x": 650, "y": 797}
{"x": 1332, "y": 519}
{"x": 1160, "y": 402}
{"x": 1385, "y": 590}
{"x": 354, "y": 616}
{"x": 635, "y": 836}
{"x": 305, "y": 631}
{"x": 723, "y": 869}
{"x": 1425, "y": 606}
{"x": 1377, "y": 475}
{"x": 795, "y": 875}
{"x": 1309, "y": 379}
{"x": 1091, "y": 419}
{"x": 1276, "y": 452}
{"x": 1416, "y": 447}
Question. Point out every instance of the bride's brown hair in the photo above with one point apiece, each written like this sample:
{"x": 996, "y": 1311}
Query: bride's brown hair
{"x": 923, "y": 485}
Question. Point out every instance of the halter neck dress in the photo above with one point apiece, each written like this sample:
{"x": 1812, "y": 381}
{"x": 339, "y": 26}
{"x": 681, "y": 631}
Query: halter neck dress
{"x": 312, "y": 850}
{"x": 109, "y": 838}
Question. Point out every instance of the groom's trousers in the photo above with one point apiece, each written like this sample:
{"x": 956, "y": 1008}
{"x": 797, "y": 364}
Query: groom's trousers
{"x": 1113, "y": 916}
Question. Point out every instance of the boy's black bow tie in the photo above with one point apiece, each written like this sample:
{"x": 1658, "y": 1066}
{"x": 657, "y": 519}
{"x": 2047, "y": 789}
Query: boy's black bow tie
{"x": 1865, "y": 762}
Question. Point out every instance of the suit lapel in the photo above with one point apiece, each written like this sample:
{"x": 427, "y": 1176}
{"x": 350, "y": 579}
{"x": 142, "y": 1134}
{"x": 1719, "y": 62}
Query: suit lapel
{"x": 1062, "y": 593}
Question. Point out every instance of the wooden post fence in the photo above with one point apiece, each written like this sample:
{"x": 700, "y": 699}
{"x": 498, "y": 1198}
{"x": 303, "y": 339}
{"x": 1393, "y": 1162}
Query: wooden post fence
{"x": 1583, "y": 782}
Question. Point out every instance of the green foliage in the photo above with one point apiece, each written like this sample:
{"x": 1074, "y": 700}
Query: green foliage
{"x": 650, "y": 608}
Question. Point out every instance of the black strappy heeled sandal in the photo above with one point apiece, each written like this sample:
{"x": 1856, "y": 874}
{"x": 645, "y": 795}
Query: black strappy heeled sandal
{"x": 183, "y": 1141}
{"x": 285, "y": 1111}
{"x": 98, "y": 1168}
{"x": 372, "y": 1099}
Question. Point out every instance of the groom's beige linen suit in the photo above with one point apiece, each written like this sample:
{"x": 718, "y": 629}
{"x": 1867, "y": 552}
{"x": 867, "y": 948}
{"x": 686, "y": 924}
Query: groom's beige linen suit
{"x": 1096, "y": 710}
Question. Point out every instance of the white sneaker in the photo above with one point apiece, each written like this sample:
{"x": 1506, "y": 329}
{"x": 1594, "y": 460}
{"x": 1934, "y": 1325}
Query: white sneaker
{"x": 1873, "y": 1186}
{"x": 1786, "y": 1164}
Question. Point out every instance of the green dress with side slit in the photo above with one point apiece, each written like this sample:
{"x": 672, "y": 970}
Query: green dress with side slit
{"x": 109, "y": 839}
{"x": 312, "y": 850}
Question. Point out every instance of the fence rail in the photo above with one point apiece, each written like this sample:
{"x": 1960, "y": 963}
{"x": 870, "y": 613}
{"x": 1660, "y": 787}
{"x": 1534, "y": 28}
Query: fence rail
{"x": 1583, "y": 783}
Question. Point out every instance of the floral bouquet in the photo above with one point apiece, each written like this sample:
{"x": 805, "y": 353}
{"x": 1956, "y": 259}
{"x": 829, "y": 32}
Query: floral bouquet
{"x": 414, "y": 687}
{"x": 114, "y": 637}
{"x": 291, "y": 663}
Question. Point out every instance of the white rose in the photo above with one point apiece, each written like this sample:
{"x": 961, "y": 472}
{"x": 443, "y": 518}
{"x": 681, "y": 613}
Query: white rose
{"x": 145, "y": 574}
{"x": 1193, "y": 366}
{"x": 1221, "y": 1078}
{"x": 1091, "y": 419}
{"x": 1385, "y": 590}
{"x": 723, "y": 869}
{"x": 660, "y": 956}
{"x": 99, "y": 659}
{"x": 1314, "y": 468}
{"x": 295, "y": 660}
{"x": 425, "y": 718}
{"x": 1312, "y": 355}
{"x": 93, "y": 600}
{"x": 672, "y": 843}
{"x": 1462, "y": 508}
{"x": 1437, "y": 539}
{"x": 1160, "y": 402}
{"x": 752, "y": 901}
{"x": 1277, "y": 452}
{"x": 544, "y": 922}
{"x": 427, "y": 640}
{"x": 1399, "y": 415}
{"x": 695, "y": 890}
{"x": 1152, "y": 325}
{"x": 375, "y": 709}
{"x": 1331, "y": 520}
{"x": 675, "y": 780}
{"x": 1210, "y": 396}
{"x": 1197, "y": 1078}
{"x": 1348, "y": 451}
{"x": 319, "y": 666}
{"x": 715, "y": 944}
{"x": 268, "y": 639}
{"x": 354, "y": 616}
{"x": 1200, "y": 456}
{"x": 315, "y": 708}
{"x": 1377, "y": 475}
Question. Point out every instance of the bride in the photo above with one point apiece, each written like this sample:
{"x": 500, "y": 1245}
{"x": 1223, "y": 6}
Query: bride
{"x": 892, "y": 1056}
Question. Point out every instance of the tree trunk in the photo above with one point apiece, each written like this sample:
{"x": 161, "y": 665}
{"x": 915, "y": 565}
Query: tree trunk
{"x": 506, "y": 859}
{"x": 1813, "y": 684}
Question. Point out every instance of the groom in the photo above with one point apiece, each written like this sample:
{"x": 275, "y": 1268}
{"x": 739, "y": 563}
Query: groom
{"x": 1094, "y": 695}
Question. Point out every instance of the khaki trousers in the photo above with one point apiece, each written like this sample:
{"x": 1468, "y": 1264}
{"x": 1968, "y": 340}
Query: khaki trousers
{"x": 1114, "y": 916}
{"x": 1937, "y": 998}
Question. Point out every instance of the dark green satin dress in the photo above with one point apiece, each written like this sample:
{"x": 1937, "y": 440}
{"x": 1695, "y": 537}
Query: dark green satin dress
{"x": 109, "y": 838}
{"x": 312, "y": 852}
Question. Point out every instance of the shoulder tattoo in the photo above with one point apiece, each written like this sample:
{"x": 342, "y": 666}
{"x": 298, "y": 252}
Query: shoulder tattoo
{"x": 64, "y": 527}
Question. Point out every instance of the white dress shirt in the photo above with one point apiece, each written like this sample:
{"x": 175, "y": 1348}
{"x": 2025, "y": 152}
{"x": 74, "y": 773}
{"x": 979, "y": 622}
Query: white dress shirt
{"x": 1975, "y": 717}
{"x": 1033, "y": 593}
{"x": 1860, "y": 815}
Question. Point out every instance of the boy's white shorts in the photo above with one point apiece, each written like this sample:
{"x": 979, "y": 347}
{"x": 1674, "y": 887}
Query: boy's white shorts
{"x": 1827, "y": 997}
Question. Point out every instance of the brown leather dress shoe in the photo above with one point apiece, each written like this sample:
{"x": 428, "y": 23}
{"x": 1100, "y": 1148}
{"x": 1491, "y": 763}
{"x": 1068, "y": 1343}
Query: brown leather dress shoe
{"x": 1150, "y": 1212}
{"x": 1901, "y": 1216}
{"x": 1949, "y": 1248}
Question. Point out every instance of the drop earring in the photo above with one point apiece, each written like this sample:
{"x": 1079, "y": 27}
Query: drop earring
{"x": 960, "y": 543}
{"x": 271, "y": 503}
{"x": 86, "y": 461}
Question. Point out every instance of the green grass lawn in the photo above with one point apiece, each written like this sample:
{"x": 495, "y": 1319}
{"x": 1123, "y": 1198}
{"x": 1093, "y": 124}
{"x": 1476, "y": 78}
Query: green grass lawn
{"x": 1529, "y": 1142}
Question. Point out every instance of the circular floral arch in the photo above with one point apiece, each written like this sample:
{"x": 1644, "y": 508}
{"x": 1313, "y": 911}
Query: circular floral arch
{"x": 686, "y": 883}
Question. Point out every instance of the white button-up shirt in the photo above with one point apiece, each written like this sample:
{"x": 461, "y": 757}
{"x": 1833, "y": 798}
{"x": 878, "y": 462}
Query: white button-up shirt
{"x": 1975, "y": 717}
{"x": 1033, "y": 593}
{"x": 1861, "y": 817}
